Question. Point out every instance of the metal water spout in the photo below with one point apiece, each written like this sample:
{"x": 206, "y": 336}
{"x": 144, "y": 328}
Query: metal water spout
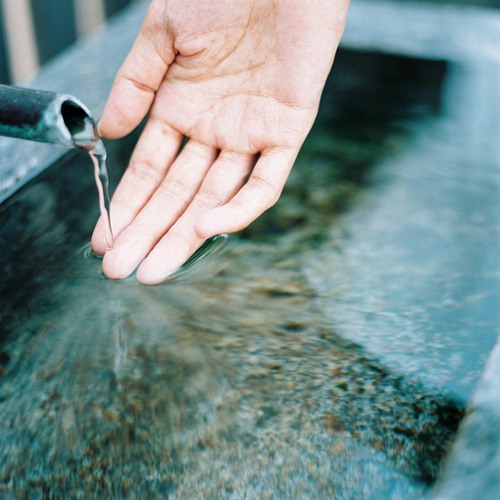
{"x": 44, "y": 116}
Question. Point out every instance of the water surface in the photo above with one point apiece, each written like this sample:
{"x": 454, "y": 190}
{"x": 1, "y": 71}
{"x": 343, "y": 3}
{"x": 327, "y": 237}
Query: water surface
{"x": 327, "y": 350}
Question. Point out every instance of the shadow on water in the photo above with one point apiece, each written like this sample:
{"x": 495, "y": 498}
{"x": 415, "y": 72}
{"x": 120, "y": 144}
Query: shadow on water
{"x": 230, "y": 380}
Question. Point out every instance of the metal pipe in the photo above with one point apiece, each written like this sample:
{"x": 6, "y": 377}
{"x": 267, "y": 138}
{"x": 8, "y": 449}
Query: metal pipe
{"x": 44, "y": 116}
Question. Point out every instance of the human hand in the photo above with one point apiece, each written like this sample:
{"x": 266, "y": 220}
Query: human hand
{"x": 241, "y": 80}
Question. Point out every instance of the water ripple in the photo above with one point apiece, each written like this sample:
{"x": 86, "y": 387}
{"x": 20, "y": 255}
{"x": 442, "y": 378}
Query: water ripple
{"x": 189, "y": 269}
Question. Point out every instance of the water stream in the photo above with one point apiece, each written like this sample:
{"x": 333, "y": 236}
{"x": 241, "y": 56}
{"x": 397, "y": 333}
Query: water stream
{"x": 87, "y": 138}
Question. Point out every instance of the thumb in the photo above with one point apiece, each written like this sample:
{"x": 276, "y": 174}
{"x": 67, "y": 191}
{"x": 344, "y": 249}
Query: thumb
{"x": 140, "y": 76}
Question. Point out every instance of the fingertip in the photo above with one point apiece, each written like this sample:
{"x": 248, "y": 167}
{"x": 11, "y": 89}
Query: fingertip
{"x": 148, "y": 279}
{"x": 207, "y": 225}
{"x": 166, "y": 258}
{"x": 98, "y": 239}
{"x": 109, "y": 129}
{"x": 116, "y": 121}
{"x": 148, "y": 274}
{"x": 99, "y": 129}
{"x": 116, "y": 266}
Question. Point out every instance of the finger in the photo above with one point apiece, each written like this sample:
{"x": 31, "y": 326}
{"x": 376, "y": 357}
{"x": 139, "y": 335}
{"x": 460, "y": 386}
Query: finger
{"x": 224, "y": 179}
{"x": 260, "y": 193}
{"x": 140, "y": 76}
{"x": 141, "y": 179}
{"x": 161, "y": 211}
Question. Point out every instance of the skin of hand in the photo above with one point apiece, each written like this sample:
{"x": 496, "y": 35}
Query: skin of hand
{"x": 232, "y": 88}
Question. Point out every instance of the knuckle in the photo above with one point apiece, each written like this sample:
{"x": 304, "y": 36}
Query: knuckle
{"x": 268, "y": 194}
{"x": 207, "y": 197}
{"x": 175, "y": 191}
{"x": 145, "y": 171}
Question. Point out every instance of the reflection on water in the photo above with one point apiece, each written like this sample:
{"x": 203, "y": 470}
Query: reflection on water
{"x": 278, "y": 363}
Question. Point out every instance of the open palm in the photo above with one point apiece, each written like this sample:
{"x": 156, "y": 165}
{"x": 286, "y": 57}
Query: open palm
{"x": 241, "y": 80}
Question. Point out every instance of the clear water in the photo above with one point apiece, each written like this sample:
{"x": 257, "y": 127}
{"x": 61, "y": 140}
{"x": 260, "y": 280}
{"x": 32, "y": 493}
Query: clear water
{"x": 98, "y": 156}
{"x": 327, "y": 351}
{"x": 87, "y": 138}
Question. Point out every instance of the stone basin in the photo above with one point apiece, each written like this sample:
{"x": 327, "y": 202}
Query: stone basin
{"x": 342, "y": 346}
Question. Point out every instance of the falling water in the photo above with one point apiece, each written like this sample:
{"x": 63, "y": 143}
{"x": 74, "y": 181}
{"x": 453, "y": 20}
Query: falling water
{"x": 88, "y": 138}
